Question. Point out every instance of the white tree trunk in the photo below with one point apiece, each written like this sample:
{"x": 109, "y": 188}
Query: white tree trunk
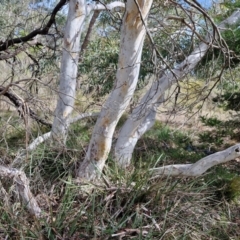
{"x": 78, "y": 9}
{"x": 132, "y": 37}
{"x": 69, "y": 65}
{"x": 135, "y": 126}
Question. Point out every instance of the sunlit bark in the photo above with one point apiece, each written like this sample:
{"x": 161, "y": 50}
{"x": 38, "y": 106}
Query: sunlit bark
{"x": 69, "y": 65}
{"x": 132, "y": 37}
{"x": 78, "y": 9}
{"x": 199, "y": 167}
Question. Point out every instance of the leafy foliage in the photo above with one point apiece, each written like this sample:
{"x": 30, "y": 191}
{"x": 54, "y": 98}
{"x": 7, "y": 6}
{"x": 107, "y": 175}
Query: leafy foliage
{"x": 100, "y": 64}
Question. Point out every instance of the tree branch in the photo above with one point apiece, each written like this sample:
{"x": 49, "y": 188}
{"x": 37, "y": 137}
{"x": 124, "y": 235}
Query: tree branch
{"x": 82, "y": 116}
{"x": 199, "y": 167}
{"x": 31, "y": 147}
{"x": 20, "y": 105}
{"x": 22, "y": 185}
{"x": 40, "y": 31}
{"x": 88, "y": 34}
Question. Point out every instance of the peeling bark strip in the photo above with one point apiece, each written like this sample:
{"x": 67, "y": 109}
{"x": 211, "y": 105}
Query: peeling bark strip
{"x": 199, "y": 167}
{"x": 135, "y": 126}
{"x": 21, "y": 106}
{"x": 22, "y": 185}
{"x": 132, "y": 37}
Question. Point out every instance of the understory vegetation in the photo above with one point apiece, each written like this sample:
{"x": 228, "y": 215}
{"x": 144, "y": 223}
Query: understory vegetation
{"x": 78, "y": 91}
{"x": 126, "y": 204}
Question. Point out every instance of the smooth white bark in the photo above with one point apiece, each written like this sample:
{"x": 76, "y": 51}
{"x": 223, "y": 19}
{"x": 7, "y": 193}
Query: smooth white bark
{"x": 135, "y": 126}
{"x": 78, "y": 9}
{"x": 199, "y": 167}
{"x": 132, "y": 37}
{"x": 69, "y": 65}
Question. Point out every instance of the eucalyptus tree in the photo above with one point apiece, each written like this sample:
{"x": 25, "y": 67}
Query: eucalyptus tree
{"x": 143, "y": 116}
{"x": 133, "y": 31}
{"x": 142, "y": 22}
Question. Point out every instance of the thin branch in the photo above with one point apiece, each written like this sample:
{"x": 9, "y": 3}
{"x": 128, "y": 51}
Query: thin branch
{"x": 88, "y": 34}
{"x": 21, "y": 155}
{"x": 40, "y": 31}
{"x": 82, "y": 116}
{"x": 21, "y": 105}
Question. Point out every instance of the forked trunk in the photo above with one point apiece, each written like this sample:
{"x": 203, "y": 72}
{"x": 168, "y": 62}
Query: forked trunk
{"x": 141, "y": 118}
{"x": 132, "y": 37}
{"x": 69, "y": 65}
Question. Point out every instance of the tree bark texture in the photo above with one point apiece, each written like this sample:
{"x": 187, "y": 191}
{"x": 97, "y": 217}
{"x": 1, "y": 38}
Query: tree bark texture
{"x": 22, "y": 186}
{"x": 201, "y": 166}
{"x": 78, "y": 9}
{"x": 69, "y": 67}
{"x": 133, "y": 32}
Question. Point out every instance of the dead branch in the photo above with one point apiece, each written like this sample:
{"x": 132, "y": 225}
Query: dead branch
{"x": 40, "y": 31}
{"x": 21, "y": 105}
{"x": 22, "y": 186}
{"x": 199, "y": 167}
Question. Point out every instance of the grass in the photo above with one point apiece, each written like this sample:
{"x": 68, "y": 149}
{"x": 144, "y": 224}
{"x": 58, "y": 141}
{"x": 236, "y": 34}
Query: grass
{"x": 126, "y": 204}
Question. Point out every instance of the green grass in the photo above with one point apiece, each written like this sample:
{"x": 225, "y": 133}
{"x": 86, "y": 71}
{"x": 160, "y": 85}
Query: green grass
{"x": 125, "y": 204}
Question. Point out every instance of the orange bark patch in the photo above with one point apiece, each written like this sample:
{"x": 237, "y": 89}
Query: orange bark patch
{"x": 78, "y": 10}
{"x": 128, "y": 17}
{"x": 67, "y": 41}
{"x": 121, "y": 63}
{"x": 102, "y": 150}
{"x": 74, "y": 55}
{"x": 141, "y": 4}
{"x": 105, "y": 122}
{"x": 65, "y": 114}
{"x": 124, "y": 88}
{"x": 132, "y": 19}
